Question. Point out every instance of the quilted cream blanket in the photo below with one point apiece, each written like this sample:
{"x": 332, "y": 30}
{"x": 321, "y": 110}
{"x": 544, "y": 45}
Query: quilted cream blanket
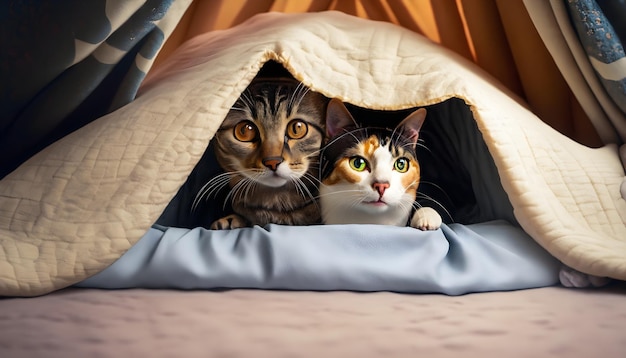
{"x": 77, "y": 206}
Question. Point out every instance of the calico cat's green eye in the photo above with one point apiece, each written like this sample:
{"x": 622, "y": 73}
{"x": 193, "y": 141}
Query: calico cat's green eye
{"x": 246, "y": 131}
{"x": 358, "y": 163}
{"x": 401, "y": 165}
{"x": 297, "y": 129}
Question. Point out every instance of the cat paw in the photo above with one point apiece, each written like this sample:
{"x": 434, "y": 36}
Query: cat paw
{"x": 426, "y": 219}
{"x": 232, "y": 221}
{"x": 573, "y": 278}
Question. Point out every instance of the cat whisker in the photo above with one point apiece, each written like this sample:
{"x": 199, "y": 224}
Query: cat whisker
{"x": 297, "y": 95}
{"x": 340, "y": 137}
{"x": 305, "y": 192}
{"x": 407, "y": 145}
{"x": 430, "y": 199}
{"x": 244, "y": 191}
{"x": 246, "y": 99}
{"x": 201, "y": 193}
{"x": 414, "y": 182}
{"x": 241, "y": 109}
{"x": 396, "y": 136}
{"x": 240, "y": 188}
{"x": 219, "y": 180}
{"x": 313, "y": 168}
{"x": 308, "y": 192}
{"x": 339, "y": 192}
{"x": 355, "y": 200}
{"x": 252, "y": 183}
{"x": 212, "y": 186}
{"x": 436, "y": 186}
{"x": 312, "y": 179}
{"x": 237, "y": 189}
{"x": 314, "y": 154}
{"x": 421, "y": 144}
{"x": 405, "y": 207}
{"x": 297, "y": 186}
{"x": 358, "y": 199}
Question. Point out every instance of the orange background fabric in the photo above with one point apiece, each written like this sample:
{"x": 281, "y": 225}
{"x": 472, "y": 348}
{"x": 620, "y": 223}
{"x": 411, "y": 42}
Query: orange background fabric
{"x": 497, "y": 35}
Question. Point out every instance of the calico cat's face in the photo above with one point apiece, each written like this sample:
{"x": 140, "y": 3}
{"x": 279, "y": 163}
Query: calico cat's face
{"x": 273, "y": 133}
{"x": 370, "y": 175}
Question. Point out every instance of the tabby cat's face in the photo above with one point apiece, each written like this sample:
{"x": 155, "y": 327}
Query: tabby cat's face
{"x": 273, "y": 133}
{"x": 371, "y": 174}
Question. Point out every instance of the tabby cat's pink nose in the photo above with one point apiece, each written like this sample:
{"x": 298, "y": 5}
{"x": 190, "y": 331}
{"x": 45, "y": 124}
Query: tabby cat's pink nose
{"x": 380, "y": 187}
{"x": 272, "y": 162}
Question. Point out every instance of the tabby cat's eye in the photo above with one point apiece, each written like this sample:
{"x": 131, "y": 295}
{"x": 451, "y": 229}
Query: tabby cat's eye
{"x": 401, "y": 165}
{"x": 358, "y": 163}
{"x": 297, "y": 129}
{"x": 246, "y": 131}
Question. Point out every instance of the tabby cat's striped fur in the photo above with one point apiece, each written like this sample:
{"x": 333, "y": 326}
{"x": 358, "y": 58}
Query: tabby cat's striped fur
{"x": 268, "y": 147}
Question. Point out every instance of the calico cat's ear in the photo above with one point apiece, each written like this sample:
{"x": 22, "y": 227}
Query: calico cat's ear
{"x": 338, "y": 118}
{"x": 411, "y": 125}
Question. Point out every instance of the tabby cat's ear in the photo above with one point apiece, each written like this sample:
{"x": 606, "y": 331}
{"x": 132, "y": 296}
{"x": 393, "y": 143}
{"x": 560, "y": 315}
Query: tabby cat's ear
{"x": 412, "y": 124}
{"x": 337, "y": 118}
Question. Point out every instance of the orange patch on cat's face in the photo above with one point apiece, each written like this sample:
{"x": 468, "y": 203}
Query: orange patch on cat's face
{"x": 410, "y": 179}
{"x": 369, "y": 146}
{"x": 342, "y": 172}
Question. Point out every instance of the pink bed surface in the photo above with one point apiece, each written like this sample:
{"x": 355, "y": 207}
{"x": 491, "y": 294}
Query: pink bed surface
{"x": 545, "y": 322}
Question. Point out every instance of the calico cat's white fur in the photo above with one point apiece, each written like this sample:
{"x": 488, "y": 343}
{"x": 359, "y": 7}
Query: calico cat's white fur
{"x": 371, "y": 175}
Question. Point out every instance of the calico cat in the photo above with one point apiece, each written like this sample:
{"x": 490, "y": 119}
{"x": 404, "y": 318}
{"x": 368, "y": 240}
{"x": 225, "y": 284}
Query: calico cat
{"x": 371, "y": 175}
{"x": 268, "y": 147}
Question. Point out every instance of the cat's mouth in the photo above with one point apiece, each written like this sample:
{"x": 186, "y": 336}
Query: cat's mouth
{"x": 279, "y": 177}
{"x": 376, "y": 203}
{"x": 375, "y": 207}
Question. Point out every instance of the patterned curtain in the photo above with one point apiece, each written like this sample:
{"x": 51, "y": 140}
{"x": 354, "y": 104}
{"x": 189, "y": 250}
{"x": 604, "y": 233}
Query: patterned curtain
{"x": 65, "y": 63}
{"x": 585, "y": 39}
{"x": 600, "y": 26}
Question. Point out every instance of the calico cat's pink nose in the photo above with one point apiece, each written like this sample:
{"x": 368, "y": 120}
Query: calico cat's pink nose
{"x": 380, "y": 187}
{"x": 272, "y": 162}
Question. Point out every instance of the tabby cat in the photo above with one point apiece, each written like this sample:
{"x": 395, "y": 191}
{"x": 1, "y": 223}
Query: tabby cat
{"x": 371, "y": 175}
{"x": 268, "y": 147}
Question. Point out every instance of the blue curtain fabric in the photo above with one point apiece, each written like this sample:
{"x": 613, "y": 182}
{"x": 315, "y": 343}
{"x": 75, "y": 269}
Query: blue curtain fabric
{"x": 601, "y": 27}
{"x": 64, "y": 64}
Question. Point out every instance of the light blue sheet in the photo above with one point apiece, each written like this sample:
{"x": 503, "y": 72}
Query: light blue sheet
{"x": 454, "y": 260}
